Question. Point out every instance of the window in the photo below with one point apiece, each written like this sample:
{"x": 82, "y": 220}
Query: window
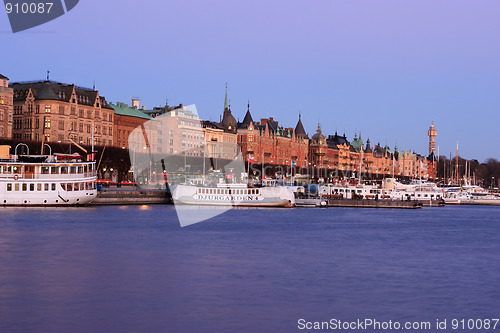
{"x": 25, "y": 187}
{"x": 47, "y": 123}
{"x": 9, "y": 187}
{"x": 53, "y": 187}
{"x": 64, "y": 170}
{"x": 61, "y": 109}
{"x": 46, "y": 187}
{"x": 38, "y": 187}
{"x": 61, "y": 124}
{"x": 16, "y": 187}
{"x": 47, "y": 108}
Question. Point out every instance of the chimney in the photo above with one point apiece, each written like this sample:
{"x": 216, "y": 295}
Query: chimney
{"x": 135, "y": 103}
{"x": 263, "y": 121}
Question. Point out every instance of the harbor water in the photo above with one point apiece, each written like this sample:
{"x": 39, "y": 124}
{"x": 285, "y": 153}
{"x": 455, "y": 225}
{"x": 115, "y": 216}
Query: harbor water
{"x": 134, "y": 269}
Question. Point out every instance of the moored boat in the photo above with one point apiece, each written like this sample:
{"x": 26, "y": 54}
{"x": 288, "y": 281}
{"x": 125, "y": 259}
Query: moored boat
{"x": 46, "y": 180}
{"x": 233, "y": 195}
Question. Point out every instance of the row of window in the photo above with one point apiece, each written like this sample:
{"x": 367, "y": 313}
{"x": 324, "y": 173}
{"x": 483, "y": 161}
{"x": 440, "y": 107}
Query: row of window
{"x": 16, "y": 169}
{"x": 223, "y": 191}
{"x": 39, "y": 187}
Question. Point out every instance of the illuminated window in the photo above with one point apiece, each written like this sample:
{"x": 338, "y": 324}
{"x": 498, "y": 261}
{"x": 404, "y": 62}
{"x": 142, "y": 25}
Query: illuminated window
{"x": 47, "y": 108}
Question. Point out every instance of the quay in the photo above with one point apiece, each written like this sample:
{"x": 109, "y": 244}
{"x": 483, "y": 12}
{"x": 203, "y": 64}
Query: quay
{"x": 130, "y": 196}
{"x": 369, "y": 203}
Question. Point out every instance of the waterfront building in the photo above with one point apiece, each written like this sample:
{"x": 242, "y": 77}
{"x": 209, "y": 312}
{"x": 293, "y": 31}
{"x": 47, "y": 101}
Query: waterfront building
{"x": 126, "y": 119}
{"x": 266, "y": 142}
{"x": 6, "y": 107}
{"x": 55, "y": 111}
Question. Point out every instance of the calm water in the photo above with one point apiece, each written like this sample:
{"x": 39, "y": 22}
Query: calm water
{"x": 133, "y": 269}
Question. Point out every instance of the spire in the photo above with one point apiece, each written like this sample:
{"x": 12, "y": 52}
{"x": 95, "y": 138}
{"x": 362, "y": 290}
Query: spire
{"x": 226, "y": 104}
{"x": 248, "y": 117}
{"x": 299, "y": 129}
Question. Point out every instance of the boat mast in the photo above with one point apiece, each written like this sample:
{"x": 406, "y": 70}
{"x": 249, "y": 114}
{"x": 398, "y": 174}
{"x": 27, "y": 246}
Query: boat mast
{"x": 457, "y": 165}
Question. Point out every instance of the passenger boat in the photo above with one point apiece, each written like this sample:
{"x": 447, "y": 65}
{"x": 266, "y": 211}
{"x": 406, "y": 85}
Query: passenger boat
{"x": 233, "y": 195}
{"x": 420, "y": 190}
{"x": 46, "y": 180}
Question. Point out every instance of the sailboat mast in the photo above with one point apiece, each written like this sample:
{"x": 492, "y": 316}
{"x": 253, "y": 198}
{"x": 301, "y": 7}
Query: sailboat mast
{"x": 457, "y": 165}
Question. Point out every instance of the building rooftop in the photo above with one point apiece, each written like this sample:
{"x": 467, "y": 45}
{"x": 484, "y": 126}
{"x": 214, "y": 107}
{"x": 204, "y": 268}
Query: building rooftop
{"x": 52, "y": 90}
{"x": 123, "y": 109}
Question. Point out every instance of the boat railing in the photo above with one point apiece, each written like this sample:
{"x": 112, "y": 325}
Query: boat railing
{"x": 47, "y": 176}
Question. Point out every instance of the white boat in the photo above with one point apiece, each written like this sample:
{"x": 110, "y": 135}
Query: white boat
{"x": 345, "y": 190}
{"x": 233, "y": 195}
{"x": 420, "y": 190}
{"x": 470, "y": 194}
{"x": 46, "y": 180}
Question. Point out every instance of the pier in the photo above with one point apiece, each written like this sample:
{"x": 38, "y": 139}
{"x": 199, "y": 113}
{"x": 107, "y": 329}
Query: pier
{"x": 133, "y": 196}
{"x": 368, "y": 203}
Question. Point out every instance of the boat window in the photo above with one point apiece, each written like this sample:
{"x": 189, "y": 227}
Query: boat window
{"x": 63, "y": 185}
{"x": 54, "y": 170}
{"x": 25, "y": 187}
{"x": 53, "y": 187}
{"x": 46, "y": 186}
{"x": 218, "y": 191}
{"x": 85, "y": 168}
{"x": 9, "y": 187}
{"x": 80, "y": 169}
{"x": 82, "y": 186}
{"x": 76, "y": 187}
{"x": 15, "y": 169}
{"x": 256, "y": 191}
{"x": 64, "y": 170}
{"x": 16, "y": 187}
{"x": 32, "y": 187}
{"x": 45, "y": 170}
{"x": 72, "y": 169}
{"x": 69, "y": 187}
{"x": 38, "y": 187}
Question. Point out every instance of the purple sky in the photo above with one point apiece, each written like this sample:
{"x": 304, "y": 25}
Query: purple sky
{"x": 385, "y": 68}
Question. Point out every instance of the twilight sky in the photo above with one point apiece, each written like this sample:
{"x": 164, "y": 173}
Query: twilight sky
{"x": 385, "y": 68}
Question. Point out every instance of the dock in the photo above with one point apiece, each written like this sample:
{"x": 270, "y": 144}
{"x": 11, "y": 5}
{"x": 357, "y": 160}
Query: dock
{"x": 369, "y": 203}
{"x": 132, "y": 196}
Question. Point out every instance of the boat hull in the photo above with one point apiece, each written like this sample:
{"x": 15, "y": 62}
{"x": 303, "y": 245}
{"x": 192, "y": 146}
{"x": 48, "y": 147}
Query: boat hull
{"x": 237, "y": 197}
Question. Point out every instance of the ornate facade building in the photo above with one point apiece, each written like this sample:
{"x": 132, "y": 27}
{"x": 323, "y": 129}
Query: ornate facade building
{"x": 336, "y": 157}
{"x": 6, "y": 107}
{"x": 55, "y": 111}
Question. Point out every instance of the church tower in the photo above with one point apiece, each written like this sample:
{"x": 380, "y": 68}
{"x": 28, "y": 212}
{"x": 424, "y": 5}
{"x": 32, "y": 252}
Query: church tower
{"x": 432, "y": 139}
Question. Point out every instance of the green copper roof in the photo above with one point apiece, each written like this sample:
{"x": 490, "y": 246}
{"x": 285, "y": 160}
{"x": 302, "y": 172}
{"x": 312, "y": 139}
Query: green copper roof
{"x": 125, "y": 110}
